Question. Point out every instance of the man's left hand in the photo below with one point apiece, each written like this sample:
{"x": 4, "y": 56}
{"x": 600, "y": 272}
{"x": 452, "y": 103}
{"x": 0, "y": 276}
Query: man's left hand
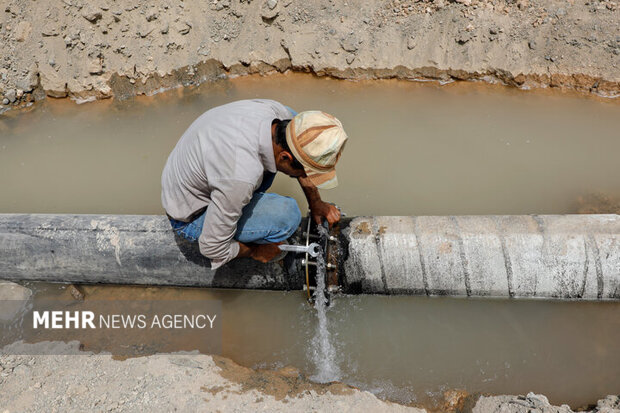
{"x": 321, "y": 209}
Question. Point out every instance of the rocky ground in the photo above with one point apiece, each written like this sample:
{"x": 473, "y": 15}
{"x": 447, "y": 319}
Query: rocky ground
{"x": 193, "y": 382}
{"x": 88, "y": 50}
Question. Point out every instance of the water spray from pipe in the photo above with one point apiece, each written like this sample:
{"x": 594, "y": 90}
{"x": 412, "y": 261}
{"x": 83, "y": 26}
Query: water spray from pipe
{"x": 323, "y": 350}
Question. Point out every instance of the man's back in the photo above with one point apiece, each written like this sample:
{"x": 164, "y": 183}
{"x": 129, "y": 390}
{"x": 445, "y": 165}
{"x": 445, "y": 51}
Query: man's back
{"x": 229, "y": 142}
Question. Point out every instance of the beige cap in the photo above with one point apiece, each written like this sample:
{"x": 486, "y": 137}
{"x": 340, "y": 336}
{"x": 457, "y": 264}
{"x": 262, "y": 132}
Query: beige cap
{"x": 316, "y": 139}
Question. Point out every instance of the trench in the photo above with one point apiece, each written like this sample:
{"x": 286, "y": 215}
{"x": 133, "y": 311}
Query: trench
{"x": 416, "y": 149}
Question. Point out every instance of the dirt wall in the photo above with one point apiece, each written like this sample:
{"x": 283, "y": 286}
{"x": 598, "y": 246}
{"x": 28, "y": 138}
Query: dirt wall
{"x": 75, "y": 48}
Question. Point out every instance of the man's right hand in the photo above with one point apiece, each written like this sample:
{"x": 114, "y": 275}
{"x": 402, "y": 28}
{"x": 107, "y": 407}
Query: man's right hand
{"x": 259, "y": 252}
{"x": 265, "y": 252}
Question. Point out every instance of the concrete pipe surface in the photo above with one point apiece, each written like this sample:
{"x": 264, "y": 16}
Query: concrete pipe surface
{"x": 546, "y": 256}
{"x": 549, "y": 256}
{"x": 120, "y": 249}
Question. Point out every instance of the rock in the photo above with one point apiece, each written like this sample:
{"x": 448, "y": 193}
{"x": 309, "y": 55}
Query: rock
{"x": 203, "y": 49}
{"x": 5, "y": 101}
{"x": 152, "y": 16}
{"x": 350, "y": 43}
{"x": 532, "y": 44}
{"x": 91, "y": 14}
{"x": 49, "y": 30}
{"x": 11, "y": 95}
{"x": 350, "y": 58}
{"x": 218, "y": 5}
{"x": 463, "y": 36}
{"x": 411, "y": 42}
{"x": 22, "y": 31}
{"x": 537, "y": 400}
{"x": 532, "y": 403}
{"x": 75, "y": 292}
{"x": 610, "y": 404}
{"x": 53, "y": 84}
{"x": 13, "y": 298}
{"x": 454, "y": 400}
{"x": 29, "y": 81}
{"x": 19, "y": 93}
{"x": 21, "y": 370}
{"x": 522, "y": 4}
{"x": 269, "y": 10}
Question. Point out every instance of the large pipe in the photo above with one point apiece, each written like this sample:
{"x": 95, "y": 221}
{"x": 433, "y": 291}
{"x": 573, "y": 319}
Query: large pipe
{"x": 119, "y": 249}
{"x": 547, "y": 256}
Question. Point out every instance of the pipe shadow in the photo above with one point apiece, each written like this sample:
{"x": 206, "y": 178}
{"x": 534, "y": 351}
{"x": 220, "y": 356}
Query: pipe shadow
{"x": 191, "y": 251}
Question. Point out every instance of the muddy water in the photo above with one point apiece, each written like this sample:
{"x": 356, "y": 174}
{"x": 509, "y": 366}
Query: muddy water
{"x": 411, "y": 349}
{"x": 415, "y": 149}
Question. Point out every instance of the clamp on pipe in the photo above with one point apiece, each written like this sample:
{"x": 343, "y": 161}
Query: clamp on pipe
{"x": 330, "y": 254}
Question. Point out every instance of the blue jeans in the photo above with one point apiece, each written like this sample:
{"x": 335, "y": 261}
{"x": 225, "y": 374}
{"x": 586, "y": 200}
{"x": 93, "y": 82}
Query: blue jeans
{"x": 266, "y": 219}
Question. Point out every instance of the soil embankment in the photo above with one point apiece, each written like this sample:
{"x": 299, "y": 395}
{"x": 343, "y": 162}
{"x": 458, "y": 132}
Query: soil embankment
{"x": 122, "y": 48}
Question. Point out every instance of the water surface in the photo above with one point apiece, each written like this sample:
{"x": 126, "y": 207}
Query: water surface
{"x": 415, "y": 148}
{"x": 410, "y": 349}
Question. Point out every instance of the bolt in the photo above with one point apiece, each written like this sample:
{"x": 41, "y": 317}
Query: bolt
{"x": 304, "y": 262}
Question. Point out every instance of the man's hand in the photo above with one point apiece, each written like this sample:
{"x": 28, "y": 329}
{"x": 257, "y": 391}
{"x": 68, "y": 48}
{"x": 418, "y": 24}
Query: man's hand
{"x": 265, "y": 252}
{"x": 259, "y": 252}
{"x": 320, "y": 209}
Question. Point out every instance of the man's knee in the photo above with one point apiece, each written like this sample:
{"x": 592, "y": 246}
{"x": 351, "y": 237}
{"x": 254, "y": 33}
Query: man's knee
{"x": 290, "y": 215}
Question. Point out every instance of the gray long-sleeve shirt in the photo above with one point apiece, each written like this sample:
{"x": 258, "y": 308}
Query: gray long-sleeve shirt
{"x": 218, "y": 163}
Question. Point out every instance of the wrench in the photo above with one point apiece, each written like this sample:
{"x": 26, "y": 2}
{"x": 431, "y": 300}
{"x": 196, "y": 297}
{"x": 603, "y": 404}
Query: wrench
{"x": 312, "y": 249}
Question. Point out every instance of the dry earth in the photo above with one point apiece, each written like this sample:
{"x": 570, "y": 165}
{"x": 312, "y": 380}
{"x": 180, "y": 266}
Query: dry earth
{"x": 88, "y": 50}
{"x": 179, "y": 382}
{"x": 196, "y": 382}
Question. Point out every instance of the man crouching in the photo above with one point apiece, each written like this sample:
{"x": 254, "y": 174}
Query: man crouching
{"x": 214, "y": 182}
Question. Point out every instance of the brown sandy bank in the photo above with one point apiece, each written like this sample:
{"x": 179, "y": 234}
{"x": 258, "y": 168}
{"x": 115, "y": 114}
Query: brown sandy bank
{"x": 121, "y": 48}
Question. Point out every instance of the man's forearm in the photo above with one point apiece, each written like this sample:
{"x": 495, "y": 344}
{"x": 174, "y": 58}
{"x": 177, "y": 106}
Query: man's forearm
{"x": 318, "y": 208}
{"x": 310, "y": 190}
